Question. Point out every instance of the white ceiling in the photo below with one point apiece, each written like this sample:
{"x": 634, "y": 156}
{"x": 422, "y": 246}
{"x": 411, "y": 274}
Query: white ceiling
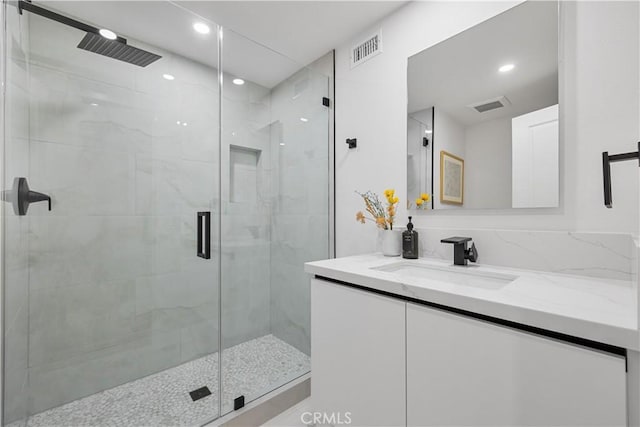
{"x": 463, "y": 70}
{"x": 302, "y": 31}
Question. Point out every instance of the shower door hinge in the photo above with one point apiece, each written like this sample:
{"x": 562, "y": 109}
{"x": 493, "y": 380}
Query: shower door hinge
{"x": 238, "y": 403}
{"x": 325, "y": 101}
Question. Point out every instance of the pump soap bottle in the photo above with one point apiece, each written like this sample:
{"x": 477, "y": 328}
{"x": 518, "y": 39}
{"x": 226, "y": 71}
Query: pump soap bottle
{"x": 410, "y": 242}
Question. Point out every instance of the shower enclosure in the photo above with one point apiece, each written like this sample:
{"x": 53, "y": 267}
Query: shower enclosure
{"x": 161, "y": 194}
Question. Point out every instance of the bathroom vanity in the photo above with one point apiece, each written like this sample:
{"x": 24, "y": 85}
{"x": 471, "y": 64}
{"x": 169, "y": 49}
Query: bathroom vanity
{"x": 423, "y": 342}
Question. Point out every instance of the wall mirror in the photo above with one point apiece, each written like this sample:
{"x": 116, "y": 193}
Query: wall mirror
{"x": 482, "y": 123}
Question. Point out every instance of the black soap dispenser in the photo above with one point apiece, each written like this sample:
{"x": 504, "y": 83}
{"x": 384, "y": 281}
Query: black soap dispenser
{"x": 410, "y": 242}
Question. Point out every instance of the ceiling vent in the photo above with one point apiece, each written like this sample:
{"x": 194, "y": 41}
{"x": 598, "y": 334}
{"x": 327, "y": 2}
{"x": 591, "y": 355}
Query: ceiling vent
{"x": 366, "y": 50}
{"x": 490, "y": 104}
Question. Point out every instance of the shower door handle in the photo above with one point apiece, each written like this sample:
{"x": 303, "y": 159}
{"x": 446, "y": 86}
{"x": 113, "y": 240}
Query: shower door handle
{"x": 204, "y": 235}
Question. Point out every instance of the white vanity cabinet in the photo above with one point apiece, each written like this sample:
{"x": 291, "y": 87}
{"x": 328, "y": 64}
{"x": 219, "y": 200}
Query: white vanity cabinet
{"x": 464, "y": 371}
{"x": 357, "y": 355}
{"x": 379, "y": 360}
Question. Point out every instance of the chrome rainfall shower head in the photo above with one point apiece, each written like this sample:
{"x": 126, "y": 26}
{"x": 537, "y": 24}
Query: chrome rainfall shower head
{"x": 117, "y": 50}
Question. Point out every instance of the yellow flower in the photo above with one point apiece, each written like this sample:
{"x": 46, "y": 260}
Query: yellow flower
{"x": 389, "y": 192}
{"x": 360, "y": 217}
{"x": 419, "y": 202}
{"x": 425, "y": 197}
{"x": 396, "y": 200}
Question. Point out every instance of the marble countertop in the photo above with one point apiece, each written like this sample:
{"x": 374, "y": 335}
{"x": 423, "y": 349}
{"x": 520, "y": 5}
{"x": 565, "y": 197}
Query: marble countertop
{"x": 602, "y": 310}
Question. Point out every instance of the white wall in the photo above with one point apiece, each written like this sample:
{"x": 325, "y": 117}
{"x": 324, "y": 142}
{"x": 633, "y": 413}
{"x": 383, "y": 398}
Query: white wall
{"x": 599, "y": 111}
{"x": 487, "y": 165}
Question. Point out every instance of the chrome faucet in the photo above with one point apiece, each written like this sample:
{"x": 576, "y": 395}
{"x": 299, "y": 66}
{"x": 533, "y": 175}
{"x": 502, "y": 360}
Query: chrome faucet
{"x": 460, "y": 252}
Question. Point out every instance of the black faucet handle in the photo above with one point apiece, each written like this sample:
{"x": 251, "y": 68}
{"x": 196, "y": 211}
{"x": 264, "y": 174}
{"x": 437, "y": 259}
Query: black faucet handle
{"x": 456, "y": 240}
{"x": 472, "y": 253}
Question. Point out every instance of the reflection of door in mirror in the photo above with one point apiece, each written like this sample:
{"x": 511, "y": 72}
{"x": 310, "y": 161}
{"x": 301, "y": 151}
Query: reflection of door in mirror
{"x": 535, "y": 178}
{"x": 420, "y": 156}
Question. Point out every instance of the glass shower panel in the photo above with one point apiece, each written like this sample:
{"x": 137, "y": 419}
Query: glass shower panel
{"x": 109, "y": 312}
{"x": 15, "y": 271}
{"x": 275, "y": 206}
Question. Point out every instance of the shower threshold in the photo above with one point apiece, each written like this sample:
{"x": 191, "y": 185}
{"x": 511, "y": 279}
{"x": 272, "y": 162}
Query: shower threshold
{"x": 252, "y": 368}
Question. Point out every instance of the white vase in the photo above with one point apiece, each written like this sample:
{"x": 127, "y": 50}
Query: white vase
{"x": 391, "y": 242}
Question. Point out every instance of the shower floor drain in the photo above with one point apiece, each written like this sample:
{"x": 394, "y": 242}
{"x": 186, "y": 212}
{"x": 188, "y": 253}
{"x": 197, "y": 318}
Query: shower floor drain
{"x": 200, "y": 393}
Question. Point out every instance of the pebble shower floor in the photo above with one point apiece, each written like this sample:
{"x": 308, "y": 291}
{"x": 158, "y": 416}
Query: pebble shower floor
{"x": 251, "y": 368}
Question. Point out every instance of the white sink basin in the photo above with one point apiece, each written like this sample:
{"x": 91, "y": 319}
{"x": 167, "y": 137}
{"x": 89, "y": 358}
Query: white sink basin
{"x": 457, "y": 275}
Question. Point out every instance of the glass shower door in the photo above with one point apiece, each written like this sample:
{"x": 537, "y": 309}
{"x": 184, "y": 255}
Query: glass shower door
{"x": 109, "y": 312}
{"x": 275, "y": 210}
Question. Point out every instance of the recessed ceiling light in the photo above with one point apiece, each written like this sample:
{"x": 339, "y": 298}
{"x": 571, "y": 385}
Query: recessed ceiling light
{"x": 201, "y": 28}
{"x": 184, "y": 124}
{"x": 168, "y": 77}
{"x": 507, "y": 67}
{"x": 93, "y": 104}
{"x": 428, "y": 131}
{"x": 238, "y": 82}
{"x": 108, "y": 34}
{"x": 304, "y": 119}
{"x": 282, "y": 143}
{"x": 178, "y": 122}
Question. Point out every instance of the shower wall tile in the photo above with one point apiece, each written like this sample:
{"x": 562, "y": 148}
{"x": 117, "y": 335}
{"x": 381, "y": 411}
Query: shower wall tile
{"x": 82, "y": 181}
{"x": 93, "y": 372}
{"x": 199, "y": 339}
{"x": 245, "y": 290}
{"x": 70, "y": 320}
{"x": 176, "y": 300}
{"x": 174, "y": 187}
{"x": 88, "y": 249}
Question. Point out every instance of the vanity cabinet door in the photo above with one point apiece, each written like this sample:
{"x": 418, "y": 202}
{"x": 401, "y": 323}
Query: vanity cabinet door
{"x": 357, "y": 356}
{"x": 463, "y": 371}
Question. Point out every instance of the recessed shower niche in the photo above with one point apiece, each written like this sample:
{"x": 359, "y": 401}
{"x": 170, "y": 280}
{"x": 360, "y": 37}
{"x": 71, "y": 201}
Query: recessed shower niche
{"x": 245, "y": 169}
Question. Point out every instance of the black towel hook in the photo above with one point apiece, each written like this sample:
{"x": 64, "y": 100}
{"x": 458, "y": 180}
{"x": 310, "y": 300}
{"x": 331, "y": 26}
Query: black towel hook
{"x": 606, "y": 170}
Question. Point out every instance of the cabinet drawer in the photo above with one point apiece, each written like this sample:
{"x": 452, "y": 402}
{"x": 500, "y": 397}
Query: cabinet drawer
{"x": 464, "y": 371}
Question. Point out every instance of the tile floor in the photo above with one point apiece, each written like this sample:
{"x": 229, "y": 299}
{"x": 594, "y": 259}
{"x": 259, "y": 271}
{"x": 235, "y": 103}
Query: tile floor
{"x": 292, "y": 417}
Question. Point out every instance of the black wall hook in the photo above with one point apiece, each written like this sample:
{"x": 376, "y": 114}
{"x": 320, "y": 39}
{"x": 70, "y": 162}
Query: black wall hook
{"x": 353, "y": 142}
{"x": 606, "y": 170}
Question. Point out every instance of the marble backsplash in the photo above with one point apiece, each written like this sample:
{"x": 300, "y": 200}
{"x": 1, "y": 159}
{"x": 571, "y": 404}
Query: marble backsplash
{"x": 604, "y": 255}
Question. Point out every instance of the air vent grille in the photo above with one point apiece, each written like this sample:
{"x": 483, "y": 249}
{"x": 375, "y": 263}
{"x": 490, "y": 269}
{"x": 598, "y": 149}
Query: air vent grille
{"x": 490, "y": 104}
{"x": 366, "y": 50}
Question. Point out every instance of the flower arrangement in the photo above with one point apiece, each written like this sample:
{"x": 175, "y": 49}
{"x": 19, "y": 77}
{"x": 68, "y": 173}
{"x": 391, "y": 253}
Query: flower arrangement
{"x": 420, "y": 201}
{"x": 383, "y": 217}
